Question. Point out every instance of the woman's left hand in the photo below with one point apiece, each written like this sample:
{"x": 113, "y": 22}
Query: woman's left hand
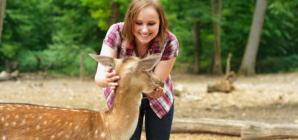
{"x": 157, "y": 93}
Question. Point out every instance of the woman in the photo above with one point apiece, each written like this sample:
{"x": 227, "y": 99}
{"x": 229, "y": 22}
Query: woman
{"x": 144, "y": 32}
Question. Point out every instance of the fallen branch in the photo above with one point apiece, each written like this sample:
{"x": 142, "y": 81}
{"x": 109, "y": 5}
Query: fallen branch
{"x": 254, "y": 131}
{"x": 226, "y": 83}
{"x": 228, "y": 127}
{"x": 245, "y": 129}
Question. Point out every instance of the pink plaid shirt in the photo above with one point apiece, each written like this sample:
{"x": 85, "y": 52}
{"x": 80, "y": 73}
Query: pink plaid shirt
{"x": 170, "y": 50}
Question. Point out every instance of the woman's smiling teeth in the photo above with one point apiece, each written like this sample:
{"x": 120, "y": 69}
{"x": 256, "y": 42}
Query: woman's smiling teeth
{"x": 144, "y": 35}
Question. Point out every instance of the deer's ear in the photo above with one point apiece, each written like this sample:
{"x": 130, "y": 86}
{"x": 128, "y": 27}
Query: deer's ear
{"x": 147, "y": 63}
{"x": 104, "y": 60}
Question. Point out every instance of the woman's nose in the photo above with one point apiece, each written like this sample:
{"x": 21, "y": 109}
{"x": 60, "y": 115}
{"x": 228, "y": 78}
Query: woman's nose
{"x": 144, "y": 29}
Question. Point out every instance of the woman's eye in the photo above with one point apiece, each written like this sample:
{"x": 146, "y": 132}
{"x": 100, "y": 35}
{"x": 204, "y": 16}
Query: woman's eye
{"x": 138, "y": 23}
{"x": 151, "y": 24}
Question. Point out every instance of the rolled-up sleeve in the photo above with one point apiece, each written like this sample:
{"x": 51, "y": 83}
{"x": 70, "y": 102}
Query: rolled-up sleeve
{"x": 113, "y": 38}
{"x": 171, "y": 49}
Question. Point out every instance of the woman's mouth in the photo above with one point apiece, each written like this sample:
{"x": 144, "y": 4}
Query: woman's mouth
{"x": 144, "y": 35}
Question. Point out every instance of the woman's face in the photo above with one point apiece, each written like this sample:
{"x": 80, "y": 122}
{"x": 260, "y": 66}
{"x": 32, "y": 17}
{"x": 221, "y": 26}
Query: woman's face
{"x": 146, "y": 26}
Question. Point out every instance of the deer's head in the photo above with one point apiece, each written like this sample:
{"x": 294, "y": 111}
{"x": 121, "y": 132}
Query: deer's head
{"x": 133, "y": 71}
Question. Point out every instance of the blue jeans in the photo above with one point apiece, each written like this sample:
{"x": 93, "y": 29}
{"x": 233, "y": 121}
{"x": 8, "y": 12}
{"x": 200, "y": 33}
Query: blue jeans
{"x": 156, "y": 128}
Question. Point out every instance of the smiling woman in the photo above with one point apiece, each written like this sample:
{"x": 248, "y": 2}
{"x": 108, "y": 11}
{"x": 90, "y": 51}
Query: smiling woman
{"x": 146, "y": 26}
{"x": 143, "y": 33}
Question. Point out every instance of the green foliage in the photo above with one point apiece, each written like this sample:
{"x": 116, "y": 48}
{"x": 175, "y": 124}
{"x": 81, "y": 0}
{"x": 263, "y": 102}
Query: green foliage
{"x": 101, "y": 10}
{"x": 22, "y": 29}
{"x": 278, "y": 64}
{"x": 59, "y": 31}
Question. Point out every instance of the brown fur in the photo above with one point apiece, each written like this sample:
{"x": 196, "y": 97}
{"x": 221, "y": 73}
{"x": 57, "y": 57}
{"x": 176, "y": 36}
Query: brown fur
{"x": 27, "y": 121}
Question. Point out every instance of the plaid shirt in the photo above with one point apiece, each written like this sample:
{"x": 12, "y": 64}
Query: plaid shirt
{"x": 170, "y": 50}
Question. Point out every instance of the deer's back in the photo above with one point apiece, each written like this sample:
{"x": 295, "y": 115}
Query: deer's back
{"x": 26, "y": 121}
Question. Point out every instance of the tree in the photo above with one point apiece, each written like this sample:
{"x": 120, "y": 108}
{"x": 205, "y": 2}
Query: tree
{"x": 197, "y": 44}
{"x": 216, "y": 67}
{"x": 197, "y": 47}
{"x": 247, "y": 67}
{"x": 115, "y": 14}
{"x": 2, "y": 9}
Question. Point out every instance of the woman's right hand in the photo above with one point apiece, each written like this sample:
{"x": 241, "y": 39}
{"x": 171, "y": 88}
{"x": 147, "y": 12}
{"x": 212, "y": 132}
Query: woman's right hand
{"x": 111, "y": 77}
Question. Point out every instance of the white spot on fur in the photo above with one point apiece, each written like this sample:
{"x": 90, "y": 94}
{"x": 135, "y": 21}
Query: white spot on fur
{"x": 75, "y": 110}
{"x": 45, "y": 122}
{"x": 60, "y": 133}
{"x": 23, "y": 122}
{"x": 38, "y": 126}
{"x": 77, "y": 127}
{"x": 6, "y": 124}
{"x": 4, "y": 137}
{"x": 2, "y": 119}
{"x": 64, "y": 109}
{"x": 103, "y": 134}
{"x": 40, "y": 117}
{"x": 53, "y": 137}
{"x": 14, "y": 123}
{"x": 96, "y": 132}
{"x": 17, "y": 116}
{"x": 67, "y": 136}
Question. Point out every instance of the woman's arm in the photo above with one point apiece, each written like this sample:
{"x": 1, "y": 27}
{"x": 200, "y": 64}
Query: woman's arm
{"x": 164, "y": 68}
{"x": 106, "y": 76}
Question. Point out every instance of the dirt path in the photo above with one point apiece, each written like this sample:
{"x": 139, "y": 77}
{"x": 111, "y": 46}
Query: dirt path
{"x": 269, "y": 98}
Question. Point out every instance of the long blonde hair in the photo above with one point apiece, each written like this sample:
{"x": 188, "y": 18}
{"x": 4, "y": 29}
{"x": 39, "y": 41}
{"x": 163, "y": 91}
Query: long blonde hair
{"x": 130, "y": 18}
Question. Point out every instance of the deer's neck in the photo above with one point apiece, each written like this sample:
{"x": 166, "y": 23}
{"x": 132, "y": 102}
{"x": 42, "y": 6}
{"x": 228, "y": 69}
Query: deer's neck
{"x": 124, "y": 113}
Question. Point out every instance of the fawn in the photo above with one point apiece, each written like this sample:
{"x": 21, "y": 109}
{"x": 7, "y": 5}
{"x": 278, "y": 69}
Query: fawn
{"x": 27, "y": 121}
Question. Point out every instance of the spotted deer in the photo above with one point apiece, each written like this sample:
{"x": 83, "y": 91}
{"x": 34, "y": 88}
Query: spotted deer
{"x": 34, "y": 122}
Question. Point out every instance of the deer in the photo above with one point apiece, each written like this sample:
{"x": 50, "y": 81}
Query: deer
{"x": 21, "y": 121}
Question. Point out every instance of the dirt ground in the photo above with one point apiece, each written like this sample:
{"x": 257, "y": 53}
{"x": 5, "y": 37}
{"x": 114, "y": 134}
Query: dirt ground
{"x": 270, "y": 98}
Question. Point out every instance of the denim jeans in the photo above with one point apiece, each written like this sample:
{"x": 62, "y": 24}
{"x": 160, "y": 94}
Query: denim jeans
{"x": 156, "y": 128}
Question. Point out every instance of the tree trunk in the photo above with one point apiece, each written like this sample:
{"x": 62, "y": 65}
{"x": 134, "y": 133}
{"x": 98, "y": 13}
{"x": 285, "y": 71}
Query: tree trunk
{"x": 197, "y": 47}
{"x": 216, "y": 67}
{"x": 82, "y": 68}
{"x": 115, "y": 15}
{"x": 247, "y": 130}
{"x": 2, "y": 9}
{"x": 247, "y": 67}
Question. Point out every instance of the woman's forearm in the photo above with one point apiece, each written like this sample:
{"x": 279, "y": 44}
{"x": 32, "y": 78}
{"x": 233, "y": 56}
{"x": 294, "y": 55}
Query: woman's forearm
{"x": 100, "y": 76}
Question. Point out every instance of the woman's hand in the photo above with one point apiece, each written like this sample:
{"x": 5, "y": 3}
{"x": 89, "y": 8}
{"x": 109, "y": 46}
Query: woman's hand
{"x": 111, "y": 78}
{"x": 157, "y": 93}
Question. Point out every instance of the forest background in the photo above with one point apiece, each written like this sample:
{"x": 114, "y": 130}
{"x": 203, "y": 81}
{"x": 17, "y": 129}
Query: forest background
{"x": 54, "y": 35}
